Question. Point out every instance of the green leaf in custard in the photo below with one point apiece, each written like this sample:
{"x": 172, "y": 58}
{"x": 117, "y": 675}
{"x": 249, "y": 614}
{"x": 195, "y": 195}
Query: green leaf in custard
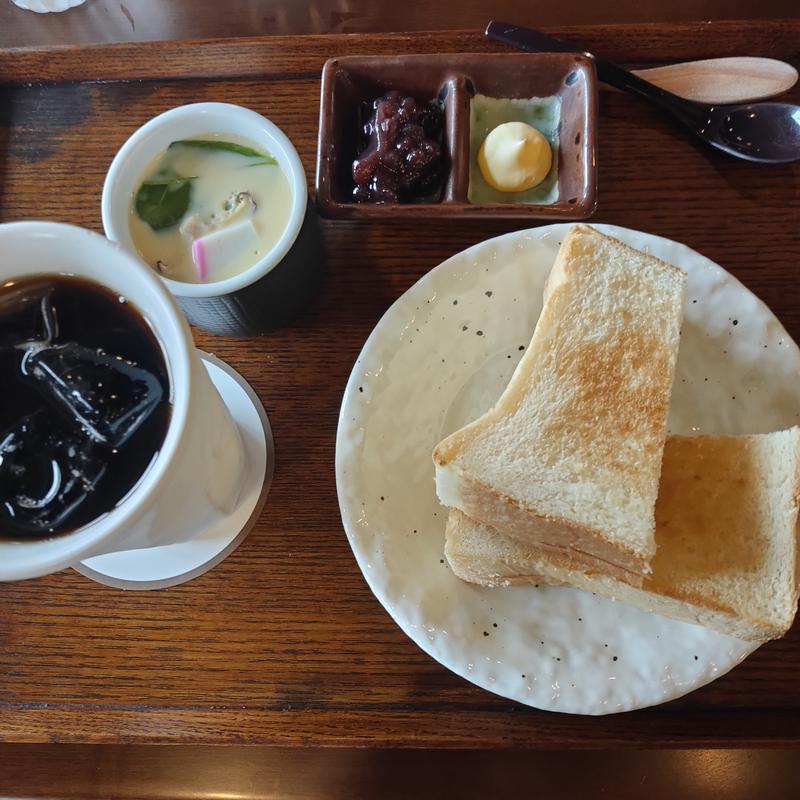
{"x": 163, "y": 204}
{"x": 229, "y": 147}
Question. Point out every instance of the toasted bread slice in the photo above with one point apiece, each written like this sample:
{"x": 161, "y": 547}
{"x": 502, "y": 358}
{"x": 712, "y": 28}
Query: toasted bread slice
{"x": 570, "y": 455}
{"x": 726, "y": 531}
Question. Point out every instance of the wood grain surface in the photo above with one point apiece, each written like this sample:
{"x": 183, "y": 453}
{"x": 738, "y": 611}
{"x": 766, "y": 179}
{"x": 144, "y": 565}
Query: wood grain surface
{"x": 145, "y": 20}
{"x": 283, "y": 643}
{"x": 175, "y": 772}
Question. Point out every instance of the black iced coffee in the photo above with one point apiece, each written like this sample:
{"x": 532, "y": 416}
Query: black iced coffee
{"x": 84, "y": 403}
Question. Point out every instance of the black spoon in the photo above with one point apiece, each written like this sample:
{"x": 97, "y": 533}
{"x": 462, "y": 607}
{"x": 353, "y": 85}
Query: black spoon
{"x": 768, "y": 133}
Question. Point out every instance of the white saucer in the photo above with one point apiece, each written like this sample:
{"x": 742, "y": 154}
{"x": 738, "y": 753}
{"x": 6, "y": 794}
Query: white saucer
{"x": 438, "y": 358}
{"x": 169, "y": 565}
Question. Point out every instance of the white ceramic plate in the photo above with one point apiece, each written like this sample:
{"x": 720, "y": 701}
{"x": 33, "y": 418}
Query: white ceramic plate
{"x": 440, "y": 356}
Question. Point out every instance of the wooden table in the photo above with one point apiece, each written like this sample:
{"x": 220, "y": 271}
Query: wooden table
{"x": 143, "y": 20}
{"x": 283, "y": 644}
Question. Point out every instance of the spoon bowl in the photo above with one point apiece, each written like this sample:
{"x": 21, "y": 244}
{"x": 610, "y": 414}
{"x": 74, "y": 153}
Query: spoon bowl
{"x": 767, "y": 133}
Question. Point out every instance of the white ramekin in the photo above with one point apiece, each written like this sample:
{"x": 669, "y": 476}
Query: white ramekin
{"x": 154, "y": 137}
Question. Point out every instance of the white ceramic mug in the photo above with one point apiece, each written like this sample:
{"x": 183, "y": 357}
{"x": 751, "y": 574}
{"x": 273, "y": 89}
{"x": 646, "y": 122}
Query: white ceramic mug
{"x": 197, "y": 472}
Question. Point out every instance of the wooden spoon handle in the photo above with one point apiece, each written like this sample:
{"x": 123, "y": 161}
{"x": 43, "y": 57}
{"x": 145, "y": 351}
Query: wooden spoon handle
{"x": 724, "y": 80}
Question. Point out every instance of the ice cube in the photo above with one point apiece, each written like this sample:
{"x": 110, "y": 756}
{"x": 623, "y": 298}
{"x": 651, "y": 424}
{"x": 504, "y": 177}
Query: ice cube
{"x": 47, "y": 470}
{"x": 106, "y": 394}
{"x": 26, "y": 314}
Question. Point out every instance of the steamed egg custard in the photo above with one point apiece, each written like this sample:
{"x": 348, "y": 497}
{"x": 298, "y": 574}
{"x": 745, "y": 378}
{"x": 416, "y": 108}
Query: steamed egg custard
{"x": 209, "y": 208}
{"x": 514, "y": 149}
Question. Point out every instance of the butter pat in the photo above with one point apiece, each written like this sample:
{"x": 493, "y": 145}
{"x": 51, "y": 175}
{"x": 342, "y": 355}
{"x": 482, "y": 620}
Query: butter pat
{"x": 514, "y": 157}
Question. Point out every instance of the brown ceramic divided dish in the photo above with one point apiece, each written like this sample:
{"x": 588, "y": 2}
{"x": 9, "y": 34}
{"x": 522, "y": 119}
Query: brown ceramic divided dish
{"x": 455, "y": 78}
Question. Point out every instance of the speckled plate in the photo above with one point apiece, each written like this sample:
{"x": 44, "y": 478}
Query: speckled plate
{"x": 440, "y": 356}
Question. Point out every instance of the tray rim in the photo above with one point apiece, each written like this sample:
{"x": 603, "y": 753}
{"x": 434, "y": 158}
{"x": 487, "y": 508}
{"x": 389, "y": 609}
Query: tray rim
{"x": 84, "y": 719}
{"x": 119, "y": 61}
